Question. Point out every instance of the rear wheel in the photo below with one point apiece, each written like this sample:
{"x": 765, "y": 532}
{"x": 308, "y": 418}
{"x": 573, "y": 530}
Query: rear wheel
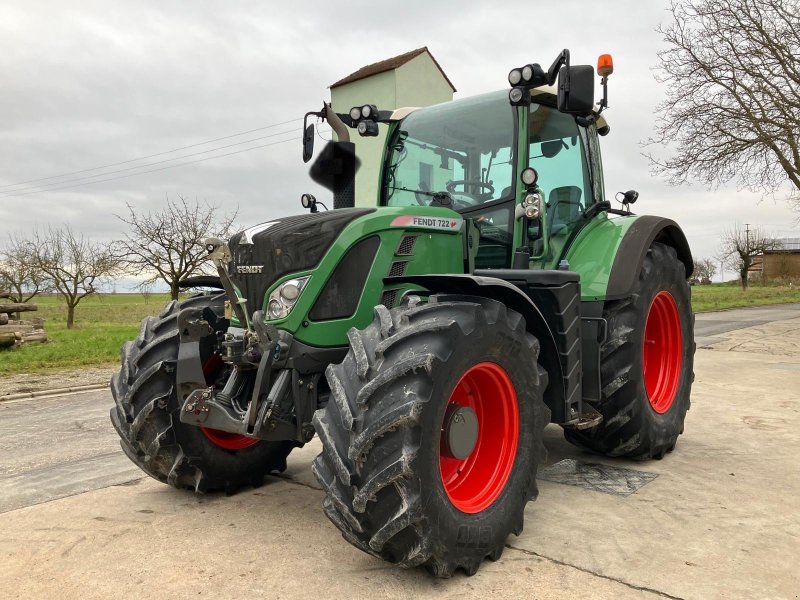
{"x": 646, "y": 364}
{"x": 433, "y": 433}
{"x": 146, "y": 415}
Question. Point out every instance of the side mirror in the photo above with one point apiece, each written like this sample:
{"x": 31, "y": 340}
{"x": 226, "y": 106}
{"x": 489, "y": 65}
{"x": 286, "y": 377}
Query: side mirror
{"x": 308, "y": 143}
{"x": 576, "y": 89}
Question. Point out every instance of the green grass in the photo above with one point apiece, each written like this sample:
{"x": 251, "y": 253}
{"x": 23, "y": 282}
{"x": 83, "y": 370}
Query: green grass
{"x": 104, "y": 323}
{"x": 721, "y": 296}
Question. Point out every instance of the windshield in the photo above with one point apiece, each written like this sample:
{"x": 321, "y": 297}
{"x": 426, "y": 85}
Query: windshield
{"x": 455, "y": 154}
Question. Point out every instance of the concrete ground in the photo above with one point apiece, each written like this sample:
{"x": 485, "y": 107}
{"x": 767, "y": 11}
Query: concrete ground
{"x": 720, "y": 520}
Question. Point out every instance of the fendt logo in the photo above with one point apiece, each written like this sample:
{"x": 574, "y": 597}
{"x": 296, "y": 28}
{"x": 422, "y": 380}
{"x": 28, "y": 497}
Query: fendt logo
{"x": 249, "y": 269}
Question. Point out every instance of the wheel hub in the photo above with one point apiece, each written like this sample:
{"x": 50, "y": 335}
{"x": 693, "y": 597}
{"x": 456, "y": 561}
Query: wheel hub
{"x": 460, "y": 431}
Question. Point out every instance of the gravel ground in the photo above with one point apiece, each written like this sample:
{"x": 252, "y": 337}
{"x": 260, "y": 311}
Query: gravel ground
{"x": 35, "y": 382}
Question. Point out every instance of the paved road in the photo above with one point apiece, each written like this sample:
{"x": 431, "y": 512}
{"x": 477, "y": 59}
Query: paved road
{"x": 87, "y": 454}
{"x": 58, "y": 446}
{"x": 709, "y": 326}
{"x": 718, "y": 518}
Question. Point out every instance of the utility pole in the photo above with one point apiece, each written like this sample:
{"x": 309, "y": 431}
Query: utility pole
{"x": 747, "y": 237}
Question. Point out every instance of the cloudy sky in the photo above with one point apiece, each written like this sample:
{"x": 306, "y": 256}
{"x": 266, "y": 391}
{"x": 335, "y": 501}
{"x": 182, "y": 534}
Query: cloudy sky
{"x": 85, "y": 84}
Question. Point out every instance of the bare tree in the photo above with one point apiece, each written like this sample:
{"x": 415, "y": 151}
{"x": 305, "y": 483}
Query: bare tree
{"x": 733, "y": 106}
{"x": 704, "y": 270}
{"x": 741, "y": 245}
{"x": 167, "y": 244}
{"x": 72, "y": 264}
{"x": 19, "y": 274}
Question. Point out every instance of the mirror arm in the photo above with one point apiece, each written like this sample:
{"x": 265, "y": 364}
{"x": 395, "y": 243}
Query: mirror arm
{"x": 552, "y": 72}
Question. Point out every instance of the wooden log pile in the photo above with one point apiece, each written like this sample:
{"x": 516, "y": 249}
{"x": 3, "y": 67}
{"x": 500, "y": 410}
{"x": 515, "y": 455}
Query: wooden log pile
{"x": 15, "y": 332}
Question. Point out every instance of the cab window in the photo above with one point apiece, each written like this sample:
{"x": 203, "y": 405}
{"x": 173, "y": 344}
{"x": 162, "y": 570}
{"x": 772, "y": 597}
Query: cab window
{"x": 456, "y": 153}
{"x": 556, "y": 151}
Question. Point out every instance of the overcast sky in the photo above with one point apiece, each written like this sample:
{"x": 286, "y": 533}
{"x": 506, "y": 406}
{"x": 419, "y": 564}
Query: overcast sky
{"x": 85, "y": 84}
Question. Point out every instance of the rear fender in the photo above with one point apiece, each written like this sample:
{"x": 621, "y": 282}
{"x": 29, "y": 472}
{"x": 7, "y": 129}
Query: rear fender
{"x": 633, "y": 248}
{"x": 608, "y": 253}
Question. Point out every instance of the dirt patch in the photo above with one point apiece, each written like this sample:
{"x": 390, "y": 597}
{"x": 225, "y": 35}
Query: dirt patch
{"x": 37, "y": 382}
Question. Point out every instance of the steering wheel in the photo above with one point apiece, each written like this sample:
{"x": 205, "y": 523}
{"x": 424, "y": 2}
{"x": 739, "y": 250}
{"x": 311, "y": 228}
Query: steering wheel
{"x": 423, "y": 199}
{"x": 481, "y": 185}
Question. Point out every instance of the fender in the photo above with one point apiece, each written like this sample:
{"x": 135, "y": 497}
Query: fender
{"x": 498, "y": 289}
{"x": 631, "y": 252}
{"x": 608, "y": 253}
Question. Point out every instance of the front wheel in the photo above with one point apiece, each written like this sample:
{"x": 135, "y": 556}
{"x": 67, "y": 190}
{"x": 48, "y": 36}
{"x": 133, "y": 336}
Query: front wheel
{"x": 646, "y": 367}
{"x": 433, "y": 433}
{"x": 147, "y": 409}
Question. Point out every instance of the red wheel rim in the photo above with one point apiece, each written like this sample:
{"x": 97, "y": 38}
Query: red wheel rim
{"x": 472, "y": 484}
{"x": 662, "y": 355}
{"x": 223, "y": 439}
{"x": 229, "y": 441}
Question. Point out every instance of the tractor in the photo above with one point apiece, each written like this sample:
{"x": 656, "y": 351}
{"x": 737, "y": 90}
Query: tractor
{"x": 429, "y": 335}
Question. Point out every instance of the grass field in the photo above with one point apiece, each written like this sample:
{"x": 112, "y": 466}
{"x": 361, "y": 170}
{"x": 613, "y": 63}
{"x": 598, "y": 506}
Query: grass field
{"x": 104, "y": 323}
{"x": 721, "y": 296}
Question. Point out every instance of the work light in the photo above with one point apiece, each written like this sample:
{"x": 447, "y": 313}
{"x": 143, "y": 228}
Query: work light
{"x": 367, "y": 128}
{"x": 355, "y": 113}
{"x": 529, "y": 176}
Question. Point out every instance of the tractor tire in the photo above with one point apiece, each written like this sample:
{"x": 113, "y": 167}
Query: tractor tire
{"x": 646, "y": 364}
{"x": 146, "y": 416}
{"x": 394, "y": 487}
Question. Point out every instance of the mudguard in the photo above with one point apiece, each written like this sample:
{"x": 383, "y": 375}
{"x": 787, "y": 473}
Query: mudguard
{"x": 631, "y": 252}
{"x": 609, "y": 253}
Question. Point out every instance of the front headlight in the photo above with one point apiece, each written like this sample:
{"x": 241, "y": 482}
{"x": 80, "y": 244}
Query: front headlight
{"x": 283, "y": 298}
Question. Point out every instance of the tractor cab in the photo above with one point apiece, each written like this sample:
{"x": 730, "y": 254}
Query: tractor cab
{"x": 469, "y": 155}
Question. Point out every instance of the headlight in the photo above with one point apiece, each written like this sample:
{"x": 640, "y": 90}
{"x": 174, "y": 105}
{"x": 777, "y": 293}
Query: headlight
{"x": 283, "y": 298}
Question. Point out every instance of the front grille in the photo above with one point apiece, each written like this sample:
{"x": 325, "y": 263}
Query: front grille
{"x": 289, "y": 244}
{"x": 388, "y": 298}
{"x": 340, "y": 296}
{"x": 397, "y": 269}
{"x": 406, "y": 247}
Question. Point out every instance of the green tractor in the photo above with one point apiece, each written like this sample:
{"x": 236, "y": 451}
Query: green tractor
{"x": 430, "y": 339}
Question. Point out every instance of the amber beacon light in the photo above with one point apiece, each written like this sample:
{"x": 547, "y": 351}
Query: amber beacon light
{"x": 605, "y": 66}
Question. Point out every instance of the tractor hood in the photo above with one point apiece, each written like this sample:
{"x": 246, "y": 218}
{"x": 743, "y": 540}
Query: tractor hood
{"x": 265, "y": 252}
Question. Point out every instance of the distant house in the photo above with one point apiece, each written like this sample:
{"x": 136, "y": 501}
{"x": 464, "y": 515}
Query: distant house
{"x": 779, "y": 264}
{"x": 411, "y": 79}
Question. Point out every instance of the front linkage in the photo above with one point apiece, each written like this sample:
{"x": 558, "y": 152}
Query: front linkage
{"x": 261, "y": 366}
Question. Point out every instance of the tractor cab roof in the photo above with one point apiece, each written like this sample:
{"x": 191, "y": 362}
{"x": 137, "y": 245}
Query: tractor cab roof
{"x": 547, "y": 93}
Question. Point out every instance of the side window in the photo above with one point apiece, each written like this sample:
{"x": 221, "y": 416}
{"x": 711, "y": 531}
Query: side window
{"x": 496, "y": 236}
{"x": 556, "y": 150}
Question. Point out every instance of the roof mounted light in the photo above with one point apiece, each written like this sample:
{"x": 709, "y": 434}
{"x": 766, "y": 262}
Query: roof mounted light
{"x": 367, "y": 128}
{"x": 515, "y": 76}
{"x": 355, "y": 113}
{"x": 605, "y": 65}
{"x": 519, "y": 96}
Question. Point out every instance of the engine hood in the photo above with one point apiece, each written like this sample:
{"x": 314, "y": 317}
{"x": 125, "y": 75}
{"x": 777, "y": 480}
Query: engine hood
{"x": 265, "y": 252}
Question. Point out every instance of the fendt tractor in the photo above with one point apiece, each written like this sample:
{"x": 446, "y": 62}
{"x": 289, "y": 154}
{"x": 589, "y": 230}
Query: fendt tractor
{"x": 428, "y": 337}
